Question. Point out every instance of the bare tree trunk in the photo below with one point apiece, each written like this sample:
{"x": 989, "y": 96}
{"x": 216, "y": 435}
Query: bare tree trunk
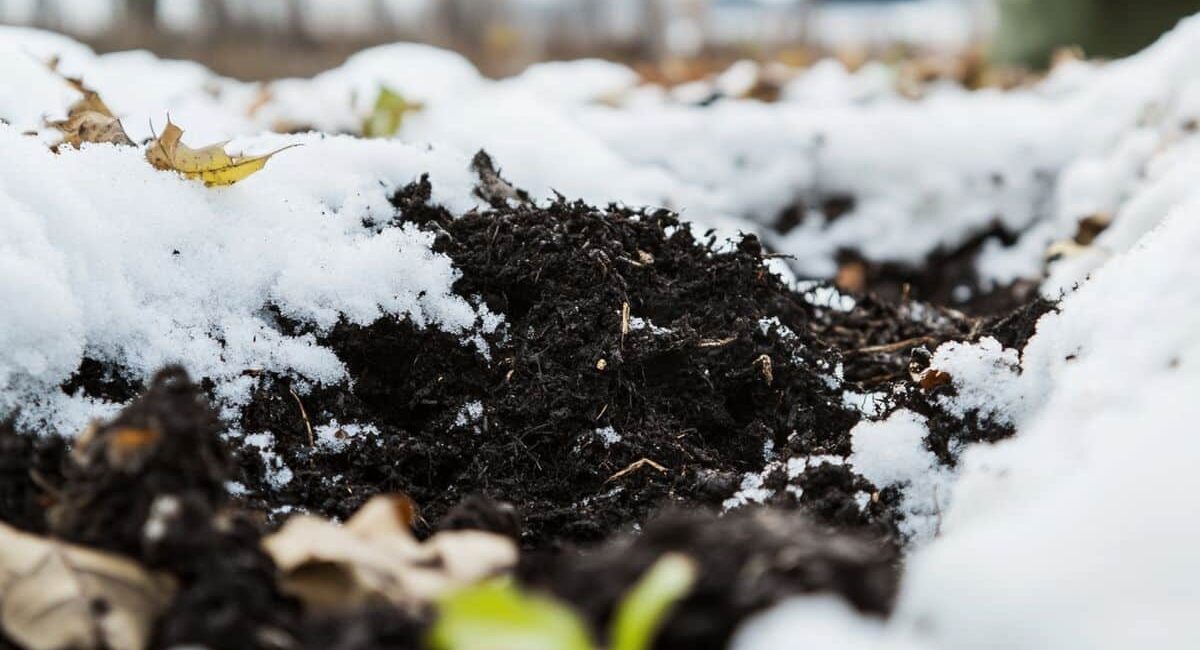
{"x": 220, "y": 19}
{"x": 654, "y": 27}
{"x": 143, "y": 12}
{"x": 461, "y": 24}
{"x": 297, "y": 29}
{"x": 804, "y": 11}
{"x": 593, "y": 22}
{"x": 46, "y": 15}
{"x": 381, "y": 18}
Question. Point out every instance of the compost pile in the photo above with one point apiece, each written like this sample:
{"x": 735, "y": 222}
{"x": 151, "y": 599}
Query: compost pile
{"x": 642, "y": 371}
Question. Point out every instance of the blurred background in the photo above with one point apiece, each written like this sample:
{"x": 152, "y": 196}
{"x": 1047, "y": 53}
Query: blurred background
{"x": 674, "y": 39}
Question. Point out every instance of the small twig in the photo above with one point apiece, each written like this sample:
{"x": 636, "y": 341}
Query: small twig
{"x": 633, "y": 467}
{"x": 624, "y": 322}
{"x": 40, "y": 481}
{"x": 312, "y": 442}
{"x": 716, "y": 343}
{"x": 894, "y": 347}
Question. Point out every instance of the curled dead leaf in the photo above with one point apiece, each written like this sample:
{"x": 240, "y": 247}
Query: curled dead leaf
{"x": 56, "y": 596}
{"x": 375, "y": 558}
{"x": 89, "y": 119}
{"x": 209, "y": 164}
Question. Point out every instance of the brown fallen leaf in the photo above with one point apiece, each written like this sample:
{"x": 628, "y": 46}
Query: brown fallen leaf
{"x": 56, "y": 596}
{"x": 375, "y": 558}
{"x": 209, "y": 164}
{"x": 89, "y": 119}
{"x": 932, "y": 378}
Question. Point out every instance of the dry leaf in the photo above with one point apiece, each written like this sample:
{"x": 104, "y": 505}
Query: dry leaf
{"x": 55, "y": 596}
{"x": 376, "y": 558}
{"x": 210, "y": 164}
{"x": 90, "y": 120}
{"x": 932, "y": 378}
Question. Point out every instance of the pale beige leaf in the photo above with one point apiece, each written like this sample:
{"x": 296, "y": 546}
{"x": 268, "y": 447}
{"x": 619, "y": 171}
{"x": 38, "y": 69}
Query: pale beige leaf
{"x": 56, "y": 596}
{"x": 91, "y": 126}
{"x": 90, "y": 120}
{"x": 375, "y": 558}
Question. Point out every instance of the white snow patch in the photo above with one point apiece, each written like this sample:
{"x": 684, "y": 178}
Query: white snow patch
{"x": 892, "y": 453}
{"x": 278, "y": 473}
{"x": 334, "y": 437}
{"x": 985, "y": 376}
{"x": 818, "y": 623}
{"x": 608, "y": 436}
{"x": 470, "y": 413}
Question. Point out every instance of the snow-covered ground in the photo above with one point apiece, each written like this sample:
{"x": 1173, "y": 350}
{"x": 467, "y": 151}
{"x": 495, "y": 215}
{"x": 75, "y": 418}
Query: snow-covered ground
{"x": 1076, "y": 533}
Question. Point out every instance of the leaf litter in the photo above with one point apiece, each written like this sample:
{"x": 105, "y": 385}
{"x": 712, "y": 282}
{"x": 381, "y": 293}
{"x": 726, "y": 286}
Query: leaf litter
{"x": 90, "y": 120}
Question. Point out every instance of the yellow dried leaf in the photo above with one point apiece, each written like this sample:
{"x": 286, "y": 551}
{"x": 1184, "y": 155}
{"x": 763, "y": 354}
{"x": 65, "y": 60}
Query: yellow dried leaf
{"x": 209, "y": 164}
{"x": 375, "y": 558}
{"x": 56, "y": 596}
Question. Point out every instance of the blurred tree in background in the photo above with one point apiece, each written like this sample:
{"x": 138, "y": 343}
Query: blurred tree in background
{"x": 1030, "y": 30}
{"x": 142, "y": 11}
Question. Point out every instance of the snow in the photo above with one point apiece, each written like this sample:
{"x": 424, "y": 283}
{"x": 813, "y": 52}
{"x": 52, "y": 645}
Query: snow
{"x": 335, "y": 437}
{"x": 575, "y": 83}
{"x": 817, "y": 623}
{"x": 470, "y": 413}
{"x": 143, "y": 268}
{"x": 1074, "y": 533}
{"x": 337, "y": 100}
{"x": 892, "y": 453}
{"x": 608, "y": 436}
{"x": 278, "y": 473}
{"x": 1086, "y": 506}
{"x": 985, "y": 376}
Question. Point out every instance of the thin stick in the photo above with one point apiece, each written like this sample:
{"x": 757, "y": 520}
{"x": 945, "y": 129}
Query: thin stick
{"x": 304, "y": 414}
{"x": 895, "y": 347}
{"x": 633, "y": 467}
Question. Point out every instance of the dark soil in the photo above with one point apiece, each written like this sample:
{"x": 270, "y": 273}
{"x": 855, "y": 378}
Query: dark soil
{"x": 730, "y": 369}
{"x": 150, "y": 484}
{"x": 748, "y": 561}
{"x": 738, "y": 367}
{"x": 30, "y": 467}
{"x": 940, "y": 277}
{"x": 641, "y": 369}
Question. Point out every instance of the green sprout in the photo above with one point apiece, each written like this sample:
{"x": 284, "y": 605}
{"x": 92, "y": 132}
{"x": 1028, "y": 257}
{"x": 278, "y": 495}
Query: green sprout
{"x": 498, "y": 615}
{"x": 388, "y": 115}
